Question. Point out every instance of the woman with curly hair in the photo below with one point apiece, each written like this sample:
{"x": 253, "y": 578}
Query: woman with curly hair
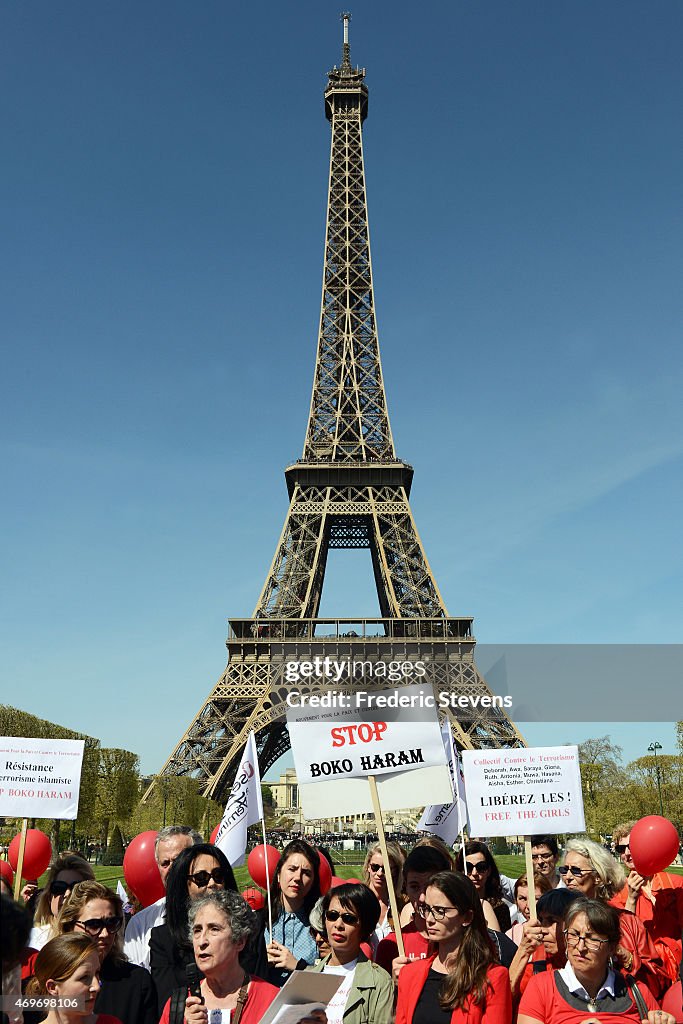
{"x": 63, "y": 874}
{"x": 127, "y": 991}
{"x": 480, "y": 867}
{"x": 461, "y": 982}
{"x": 196, "y": 870}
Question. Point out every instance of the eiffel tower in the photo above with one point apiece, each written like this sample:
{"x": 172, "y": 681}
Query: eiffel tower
{"x": 348, "y": 491}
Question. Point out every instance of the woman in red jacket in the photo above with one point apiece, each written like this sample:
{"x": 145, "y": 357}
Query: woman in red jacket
{"x": 461, "y": 983}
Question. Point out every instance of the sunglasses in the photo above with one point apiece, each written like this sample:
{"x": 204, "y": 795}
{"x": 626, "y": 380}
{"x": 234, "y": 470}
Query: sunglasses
{"x": 576, "y": 872}
{"x": 202, "y": 878}
{"x": 622, "y": 848}
{"x": 334, "y": 915}
{"x": 480, "y": 866}
{"x": 377, "y": 867}
{"x": 59, "y": 887}
{"x": 95, "y": 925}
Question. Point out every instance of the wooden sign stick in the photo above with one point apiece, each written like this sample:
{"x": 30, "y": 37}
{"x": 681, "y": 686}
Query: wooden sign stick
{"x": 387, "y": 865}
{"x": 20, "y": 860}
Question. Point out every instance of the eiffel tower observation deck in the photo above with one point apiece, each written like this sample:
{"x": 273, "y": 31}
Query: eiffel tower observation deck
{"x": 349, "y": 490}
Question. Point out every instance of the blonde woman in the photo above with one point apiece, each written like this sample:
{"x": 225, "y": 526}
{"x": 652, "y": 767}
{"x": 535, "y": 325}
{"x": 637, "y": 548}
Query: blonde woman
{"x": 64, "y": 873}
{"x": 375, "y": 877}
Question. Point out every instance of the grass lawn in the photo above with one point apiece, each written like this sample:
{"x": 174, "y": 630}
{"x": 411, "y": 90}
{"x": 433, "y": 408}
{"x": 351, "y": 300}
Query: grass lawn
{"x": 512, "y": 866}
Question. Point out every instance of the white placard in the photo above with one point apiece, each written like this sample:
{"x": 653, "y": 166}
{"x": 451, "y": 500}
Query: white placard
{"x": 352, "y": 796}
{"x": 397, "y": 732}
{"x": 40, "y": 778}
{"x": 523, "y": 791}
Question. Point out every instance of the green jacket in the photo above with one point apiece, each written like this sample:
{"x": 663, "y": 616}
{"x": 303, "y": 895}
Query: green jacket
{"x": 371, "y": 998}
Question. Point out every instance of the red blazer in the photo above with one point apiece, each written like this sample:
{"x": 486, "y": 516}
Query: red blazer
{"x": 495, "y": 1009}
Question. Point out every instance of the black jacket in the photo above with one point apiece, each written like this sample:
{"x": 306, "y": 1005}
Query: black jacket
{"x": 127, "y": 993}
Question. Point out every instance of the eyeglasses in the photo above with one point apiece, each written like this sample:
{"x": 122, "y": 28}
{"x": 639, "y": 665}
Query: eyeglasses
{"x": 576, "y": 872}
{"x": 541, "y": 856}
{"x": 480, "y": 866}
{"x": 59, "y": 887}
{"x": 334, "y": 915}
{"x": 438, "y": 913}
{"x": 202, "y": 878}
{"x": 622, "y": 848}
{"x": 96, "y": 925}
{"x": 593, "y": 943}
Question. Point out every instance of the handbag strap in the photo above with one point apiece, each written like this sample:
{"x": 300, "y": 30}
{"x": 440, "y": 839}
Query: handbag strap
{"x": 177, "y": 1009}
{"x": 638, "y": 996}
{"x": 241, "y": 1000}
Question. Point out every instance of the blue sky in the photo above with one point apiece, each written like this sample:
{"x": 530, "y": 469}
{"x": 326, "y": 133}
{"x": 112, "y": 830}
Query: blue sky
{"x": 164, "y": 186}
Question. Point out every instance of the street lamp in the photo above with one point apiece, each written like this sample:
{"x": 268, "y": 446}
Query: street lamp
{"x": 652, "y": 749}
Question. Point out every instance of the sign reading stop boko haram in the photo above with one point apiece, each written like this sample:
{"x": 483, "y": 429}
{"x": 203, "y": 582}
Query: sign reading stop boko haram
{"x": 337, "y": 743}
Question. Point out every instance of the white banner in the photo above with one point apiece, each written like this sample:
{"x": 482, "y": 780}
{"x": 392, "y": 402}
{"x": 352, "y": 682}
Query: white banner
{"x": 398, "y": 732}
{"x": 40, "y": 778}
{"x": 523, "y": 791}
{"x": 448, "y": 820}
{"x": 244, "y": 807}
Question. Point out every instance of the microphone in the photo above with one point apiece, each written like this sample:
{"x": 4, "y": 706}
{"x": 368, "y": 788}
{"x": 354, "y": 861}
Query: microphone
{"x": 194, "y": 977}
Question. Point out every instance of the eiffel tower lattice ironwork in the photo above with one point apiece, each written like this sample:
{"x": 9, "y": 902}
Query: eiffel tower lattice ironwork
{"x": 348, "y": 491}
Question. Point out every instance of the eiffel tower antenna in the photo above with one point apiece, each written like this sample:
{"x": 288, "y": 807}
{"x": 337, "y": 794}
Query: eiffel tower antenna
{"x": 349, "y": 490}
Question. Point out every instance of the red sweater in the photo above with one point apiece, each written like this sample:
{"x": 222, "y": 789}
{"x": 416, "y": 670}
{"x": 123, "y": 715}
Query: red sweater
{"x": 259, "y": 997}
{"x": 663, "y": 919}
{"x": 496, "y": 1008}
{"x": 415, "y": 943}
{"x": 542, "y": 1001}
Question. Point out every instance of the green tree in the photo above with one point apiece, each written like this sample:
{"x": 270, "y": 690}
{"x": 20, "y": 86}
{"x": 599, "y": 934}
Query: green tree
{"x": 118, "y": 788}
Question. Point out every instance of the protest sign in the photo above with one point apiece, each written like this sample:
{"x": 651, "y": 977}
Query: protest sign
{"x": 523, "y": 790}
{"x": 398, "y": 734}
{"x": 40, "y": 778}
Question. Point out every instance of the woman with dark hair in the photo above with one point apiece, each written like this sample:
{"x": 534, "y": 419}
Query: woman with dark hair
{"x": 588, "y": 988}
{"x": 68, "y": 969}
{"x": 127, "y": 990}
{"x": 479, "y": 866}
{"x": 63, "y": 874}
{"x": 195, "y": 871}
{"x": 461, "y": 982}
{"x": 293, "y": 893}
{"x": 366, "y": 994}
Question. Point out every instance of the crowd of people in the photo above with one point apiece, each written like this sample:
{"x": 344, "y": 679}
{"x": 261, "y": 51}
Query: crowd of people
{"x": 603, "y": 945}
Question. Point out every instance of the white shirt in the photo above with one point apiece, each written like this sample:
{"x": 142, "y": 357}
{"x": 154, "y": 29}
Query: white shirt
{"x": 136, "y": 940}
{"x": 337, "y": 1004}
{"x": 577, "y": 989}
{"x": 40, "y": 933}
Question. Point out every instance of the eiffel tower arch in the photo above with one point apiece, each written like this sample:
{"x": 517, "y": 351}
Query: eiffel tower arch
{"x": 349, "y": 490}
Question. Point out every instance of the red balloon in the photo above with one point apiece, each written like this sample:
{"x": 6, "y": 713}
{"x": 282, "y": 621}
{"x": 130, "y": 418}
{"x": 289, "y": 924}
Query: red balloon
{"x": 141, "y": 871}
{"x": 256, "y": 864}
{"x": 654, "y": 844}
{"x": 37, "y": 854}
{"x": 215, "y": 833}
{"x": 338, "y": 881}
{"x": 254, "y": 898}
{"x": 325, "y": 873}
{"x": 356, "y": 880}
{"x": 6, "y": 872}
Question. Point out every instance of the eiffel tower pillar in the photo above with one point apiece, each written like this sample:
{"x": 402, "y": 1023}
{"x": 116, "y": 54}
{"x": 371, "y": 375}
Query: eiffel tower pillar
{"x": 349, "y": 490}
